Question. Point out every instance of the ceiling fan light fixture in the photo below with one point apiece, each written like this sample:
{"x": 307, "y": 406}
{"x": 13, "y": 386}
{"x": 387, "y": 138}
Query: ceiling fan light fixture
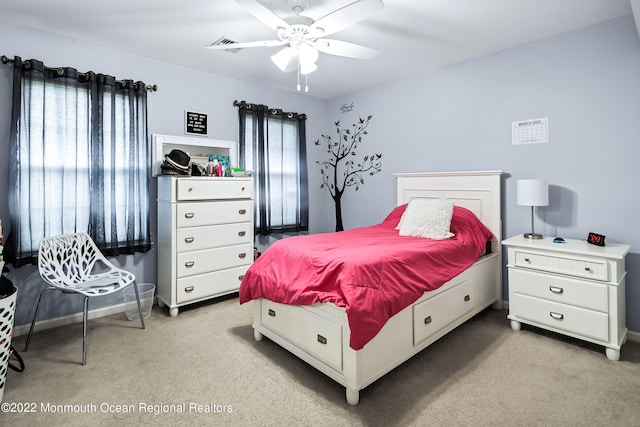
{"x": 286, "y": 59}
{"x": 307, "y": 68}
{"x": 308, "y": 55}
{"x": 303, "y": 35}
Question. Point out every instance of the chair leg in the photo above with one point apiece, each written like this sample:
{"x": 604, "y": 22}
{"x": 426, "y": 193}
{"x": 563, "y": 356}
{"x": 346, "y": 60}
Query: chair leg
{"x": 35, "y": 315}
{"x": 84, "y": 330}
{"x": 135, "y": 288}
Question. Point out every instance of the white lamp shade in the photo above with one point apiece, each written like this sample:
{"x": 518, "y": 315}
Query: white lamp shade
{"x": 306, "y": 68}
{"x": 286, "y": 59}
{"x": 533, "y": 192}
{"x": 308, "y": 56}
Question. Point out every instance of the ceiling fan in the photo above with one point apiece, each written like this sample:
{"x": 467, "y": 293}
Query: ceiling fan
{"x": 303, "y": 37}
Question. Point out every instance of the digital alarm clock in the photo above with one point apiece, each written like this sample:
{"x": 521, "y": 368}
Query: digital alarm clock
{"x": 596, "y": 239}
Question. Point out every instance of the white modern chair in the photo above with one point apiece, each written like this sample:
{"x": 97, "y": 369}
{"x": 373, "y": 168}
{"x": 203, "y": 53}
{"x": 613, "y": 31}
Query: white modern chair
{"x": 71, "y": 263}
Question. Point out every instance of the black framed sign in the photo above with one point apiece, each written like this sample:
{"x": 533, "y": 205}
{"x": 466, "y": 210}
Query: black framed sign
{"x": 195, "y": 123}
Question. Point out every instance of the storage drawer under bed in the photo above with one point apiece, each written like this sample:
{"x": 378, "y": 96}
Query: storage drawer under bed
{"x": 432, "y": 315}
{"x": 318, "y": 335}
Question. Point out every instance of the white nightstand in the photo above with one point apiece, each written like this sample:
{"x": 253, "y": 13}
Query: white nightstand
{"x": 573, "y": 288}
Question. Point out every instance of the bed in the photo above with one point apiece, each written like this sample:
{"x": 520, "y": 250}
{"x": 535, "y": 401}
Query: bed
{"x": 323, "y": 332}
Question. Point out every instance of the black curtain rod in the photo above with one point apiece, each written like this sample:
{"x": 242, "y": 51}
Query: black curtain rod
{"x": 5, "y": 60}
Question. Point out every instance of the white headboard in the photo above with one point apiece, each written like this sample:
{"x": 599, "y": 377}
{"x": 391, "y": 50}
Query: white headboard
{"x": 478, "y": 191}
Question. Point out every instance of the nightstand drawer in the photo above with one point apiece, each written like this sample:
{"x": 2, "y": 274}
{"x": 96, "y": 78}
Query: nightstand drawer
{"x": 560, "y": 289}
{"x": 576, "y": 320}
{"x": 561, "y": 264}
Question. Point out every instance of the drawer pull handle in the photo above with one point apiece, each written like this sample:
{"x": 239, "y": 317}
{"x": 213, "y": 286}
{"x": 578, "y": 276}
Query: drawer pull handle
{"x": 243, "y": 255}
{"x": 527, "y": 260}
{"x": 557, "y": 316}
{"x": 190, "y": 189}
{"x": 189, "y": 264}
{"x": 189, "y": 289}
{"x": 242, "y": 211}
{"x": 242, "y": 189}
{"x": 241, "y": 233}
{"x": 467, "y": 298}
{"x": 272, "y": 313}
{"x": 321, "y": 339}
{"x": 556, "y": 290}
{"x": 427, "y": 320}
{"x": 241, "y": 277}
{"x": 188, "y": 239}
{"x": 587, "y": 269}
{"x": 188, "y": 215}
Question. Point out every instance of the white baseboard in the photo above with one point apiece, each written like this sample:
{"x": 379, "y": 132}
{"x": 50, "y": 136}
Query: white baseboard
{"x": 633, "y": 336}
{"x": 68, "y": 320}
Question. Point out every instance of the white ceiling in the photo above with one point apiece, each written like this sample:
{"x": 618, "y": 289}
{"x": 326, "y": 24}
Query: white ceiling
{"x": 411, "y": 35}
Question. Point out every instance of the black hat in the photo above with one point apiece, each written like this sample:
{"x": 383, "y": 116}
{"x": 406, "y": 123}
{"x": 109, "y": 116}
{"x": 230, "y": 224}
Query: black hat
{"x": 179, "y": 159}
{"x": 169, "y": 169}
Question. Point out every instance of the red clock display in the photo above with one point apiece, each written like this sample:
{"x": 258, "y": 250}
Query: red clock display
{"x": 596, "y": 239}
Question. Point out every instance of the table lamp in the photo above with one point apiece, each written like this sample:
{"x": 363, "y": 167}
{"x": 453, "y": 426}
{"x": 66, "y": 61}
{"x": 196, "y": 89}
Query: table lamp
{"x": 533, "y": 192}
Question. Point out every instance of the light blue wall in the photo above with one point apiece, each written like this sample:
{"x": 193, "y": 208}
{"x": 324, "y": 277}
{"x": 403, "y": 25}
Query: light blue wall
{"x": 457, "y": 118}
{"x": 586, "y": 82}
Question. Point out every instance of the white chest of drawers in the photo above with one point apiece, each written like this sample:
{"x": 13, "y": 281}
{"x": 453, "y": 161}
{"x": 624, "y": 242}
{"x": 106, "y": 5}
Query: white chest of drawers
{"x": 572, "y": 288}
{"x": 205, "y": 237}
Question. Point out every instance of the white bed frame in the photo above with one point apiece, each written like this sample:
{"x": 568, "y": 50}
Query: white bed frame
{"x": 319, "y": 334}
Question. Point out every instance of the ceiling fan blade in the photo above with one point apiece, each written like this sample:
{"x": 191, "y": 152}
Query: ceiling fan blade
{"x": 341, "y": 48}
{"x": 347, "y": 15}
{"x": 265, "y": 15}
{"x": 262, "y": 43}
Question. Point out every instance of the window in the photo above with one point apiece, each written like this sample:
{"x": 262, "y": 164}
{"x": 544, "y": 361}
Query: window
{"x": 273, "y": 145}
{"x": 79, "y": 160}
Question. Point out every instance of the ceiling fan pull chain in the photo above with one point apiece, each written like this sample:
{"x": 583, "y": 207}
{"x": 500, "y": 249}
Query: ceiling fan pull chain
{"x": 298, "y": 73}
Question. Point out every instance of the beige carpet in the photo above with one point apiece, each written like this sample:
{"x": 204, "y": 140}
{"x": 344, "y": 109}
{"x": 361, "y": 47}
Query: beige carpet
{"x": 204, "y": 368}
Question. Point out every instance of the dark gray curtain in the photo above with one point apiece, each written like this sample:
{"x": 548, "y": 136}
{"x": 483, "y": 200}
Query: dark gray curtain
{"x": 78, "y": 160}
{"x": 273, "y": 145}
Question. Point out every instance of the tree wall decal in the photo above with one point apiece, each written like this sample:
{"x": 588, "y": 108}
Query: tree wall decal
{"x": 341, "y": 171}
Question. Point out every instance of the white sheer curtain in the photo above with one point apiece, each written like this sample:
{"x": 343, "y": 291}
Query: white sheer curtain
{"x": 273, "y": 145}
{"x": 78, "y": 160}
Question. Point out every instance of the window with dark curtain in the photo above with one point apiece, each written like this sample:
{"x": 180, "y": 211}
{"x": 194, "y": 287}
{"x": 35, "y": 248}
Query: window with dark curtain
{"x": 273, "y": 145}
{"x": 78, "y": 160}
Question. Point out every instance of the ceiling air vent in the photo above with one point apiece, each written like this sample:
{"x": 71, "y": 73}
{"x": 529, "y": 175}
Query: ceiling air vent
{"x": 225, "y": 41}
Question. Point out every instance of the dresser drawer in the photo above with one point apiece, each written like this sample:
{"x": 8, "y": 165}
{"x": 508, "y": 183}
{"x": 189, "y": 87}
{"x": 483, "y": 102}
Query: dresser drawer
{"x": 213, "y": 188}
{"x": 212, "y": 236}
{"x": 211, "y": 213}
{"x": 561, "y": 264}
{"x": 204, "y": 285}
{"x": 437, "y": 312}
{"x": 560, "y": 289}
{"x": 198, "y": 262}
{"x": 576, "y": 320}
{"x": 317, "y": 335}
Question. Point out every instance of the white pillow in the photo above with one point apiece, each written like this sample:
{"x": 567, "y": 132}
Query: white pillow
{"x": 430, "y": 218}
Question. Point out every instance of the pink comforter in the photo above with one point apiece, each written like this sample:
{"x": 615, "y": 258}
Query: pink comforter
{"x": 372, "y": 271}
